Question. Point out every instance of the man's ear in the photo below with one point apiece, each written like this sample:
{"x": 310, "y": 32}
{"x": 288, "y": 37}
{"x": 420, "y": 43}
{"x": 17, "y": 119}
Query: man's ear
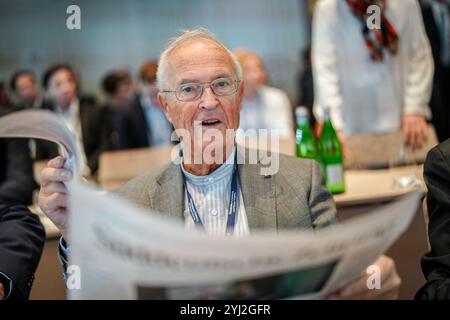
{"x": 164, "y": 106}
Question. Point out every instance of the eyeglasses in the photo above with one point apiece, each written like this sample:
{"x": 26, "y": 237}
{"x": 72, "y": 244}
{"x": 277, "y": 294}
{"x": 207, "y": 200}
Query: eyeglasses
{"x": 194, "y": 90}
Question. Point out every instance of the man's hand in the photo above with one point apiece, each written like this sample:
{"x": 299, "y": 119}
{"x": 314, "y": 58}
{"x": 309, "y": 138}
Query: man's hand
{"x": 415, "y": 129}
{"x": 2, "y": 292}
{"x": 53, "y": 193}
{"x": 357, "y": 290}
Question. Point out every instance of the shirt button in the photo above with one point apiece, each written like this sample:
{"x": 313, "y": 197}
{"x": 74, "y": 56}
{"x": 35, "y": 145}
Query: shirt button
{"x": 213, "y": 212}
{"x": 210, "y": 180}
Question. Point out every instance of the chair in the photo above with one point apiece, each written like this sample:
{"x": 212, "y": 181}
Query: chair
{"x": 117, "y": 167}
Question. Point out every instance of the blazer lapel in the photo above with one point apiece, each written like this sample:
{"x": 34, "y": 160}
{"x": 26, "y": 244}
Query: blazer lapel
{"x": 259, "y": 195}
{"x": 168, "y": 198}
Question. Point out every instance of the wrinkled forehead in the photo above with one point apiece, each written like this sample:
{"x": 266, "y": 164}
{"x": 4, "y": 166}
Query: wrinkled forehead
{"x": 199, "y": 60}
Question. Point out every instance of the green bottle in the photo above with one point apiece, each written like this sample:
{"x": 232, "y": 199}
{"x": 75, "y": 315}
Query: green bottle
{"x": 331, "y": 156}
{"x": 305, "y": 142}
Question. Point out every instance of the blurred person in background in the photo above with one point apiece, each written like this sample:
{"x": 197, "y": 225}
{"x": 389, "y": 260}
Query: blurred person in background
{"x": 372, "y": 80}
{"x": 25, "y": 89}
{"x": 146, "y": 123}
{"x": 118, "y": 85}
{"x": 306, "y": 85}
{"x": 263, "y": 107}
{"x": 21, "y": 233}
{"x": 5, "y": 101}
{"x": 436, "y": 263}
{"x": 16, "y": 170}
{"x": 80, "y": 114}
{"x": 436, "y": 18}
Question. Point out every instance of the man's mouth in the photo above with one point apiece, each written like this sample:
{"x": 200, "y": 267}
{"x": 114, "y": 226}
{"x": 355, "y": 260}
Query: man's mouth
{"x": 210, "y": 123}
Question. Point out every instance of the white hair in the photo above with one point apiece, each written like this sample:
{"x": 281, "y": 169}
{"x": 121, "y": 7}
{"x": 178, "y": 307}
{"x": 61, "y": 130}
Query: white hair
{"x": 190, "y": 36}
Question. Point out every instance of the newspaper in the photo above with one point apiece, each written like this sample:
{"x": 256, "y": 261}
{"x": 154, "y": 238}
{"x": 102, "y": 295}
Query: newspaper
{"x": 121, "y": 251}
{"x": 43, "y": 124}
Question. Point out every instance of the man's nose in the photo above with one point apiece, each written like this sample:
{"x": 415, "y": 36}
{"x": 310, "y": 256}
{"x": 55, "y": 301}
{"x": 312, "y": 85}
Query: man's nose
{"x": 208, "y": 99}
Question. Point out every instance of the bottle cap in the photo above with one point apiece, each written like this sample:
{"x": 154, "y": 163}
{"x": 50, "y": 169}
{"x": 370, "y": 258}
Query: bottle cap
{"x": 301, "y": 111}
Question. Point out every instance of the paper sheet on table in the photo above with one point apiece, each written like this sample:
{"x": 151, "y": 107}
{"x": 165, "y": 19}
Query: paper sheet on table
{"x": 126, "y": 252}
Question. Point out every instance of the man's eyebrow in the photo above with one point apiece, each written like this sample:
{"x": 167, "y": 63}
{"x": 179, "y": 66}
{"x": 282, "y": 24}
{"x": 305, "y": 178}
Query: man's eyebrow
{"x": 189, "y": 80}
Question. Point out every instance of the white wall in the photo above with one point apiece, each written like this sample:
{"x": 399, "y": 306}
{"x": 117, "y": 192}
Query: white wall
{"x": 115, "y": 33}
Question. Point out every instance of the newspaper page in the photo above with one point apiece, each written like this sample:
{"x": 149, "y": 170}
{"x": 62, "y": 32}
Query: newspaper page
{"x": 120, "y": 251}
{"x": 125, "y": 252}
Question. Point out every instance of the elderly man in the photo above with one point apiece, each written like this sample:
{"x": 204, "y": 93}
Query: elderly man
{"x": 201, "y": 91}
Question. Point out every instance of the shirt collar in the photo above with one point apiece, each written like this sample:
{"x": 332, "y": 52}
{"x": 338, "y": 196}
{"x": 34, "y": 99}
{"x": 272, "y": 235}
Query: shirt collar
{"x": 223, "y": 172}
{"x": 73, "y": 109}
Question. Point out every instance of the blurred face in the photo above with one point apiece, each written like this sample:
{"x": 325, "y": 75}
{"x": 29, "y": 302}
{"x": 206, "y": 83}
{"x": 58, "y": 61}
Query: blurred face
{"x": 62, "y": 87}
{"x": 254, "y": 74}
{"x": 200, "y": 62}
{"x": 26, "y": 89}
{"x": 124, "y": 91}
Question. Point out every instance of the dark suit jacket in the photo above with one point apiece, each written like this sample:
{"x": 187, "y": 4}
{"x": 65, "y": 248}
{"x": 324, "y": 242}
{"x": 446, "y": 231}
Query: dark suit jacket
{"x": 436, "y": 263}
{"x": 440, "y": 97}
{"x": 135, "y": 130}
{"x": 22, "y": 238}
{"x": 91, "y": 127}
{"x": 16, "y": 171}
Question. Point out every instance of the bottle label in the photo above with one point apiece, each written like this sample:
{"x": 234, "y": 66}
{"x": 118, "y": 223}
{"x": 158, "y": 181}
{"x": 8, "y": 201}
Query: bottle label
{"x": 335, "y": 174}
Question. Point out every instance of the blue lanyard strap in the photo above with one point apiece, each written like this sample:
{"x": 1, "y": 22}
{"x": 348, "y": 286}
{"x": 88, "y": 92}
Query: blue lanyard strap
{"x": 232, "y": 208}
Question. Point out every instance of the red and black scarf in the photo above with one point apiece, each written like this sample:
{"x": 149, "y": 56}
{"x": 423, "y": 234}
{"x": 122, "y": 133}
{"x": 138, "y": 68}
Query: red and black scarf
{"x": 376, "y": 39}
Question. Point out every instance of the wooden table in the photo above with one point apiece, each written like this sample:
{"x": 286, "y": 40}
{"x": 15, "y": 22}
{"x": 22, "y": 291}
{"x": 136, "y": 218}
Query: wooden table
{"x": 375, "y": 186}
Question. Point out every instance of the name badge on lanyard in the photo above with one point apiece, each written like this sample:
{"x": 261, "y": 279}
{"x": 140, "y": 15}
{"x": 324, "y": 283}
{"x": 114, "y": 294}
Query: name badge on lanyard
{"x": 232, "y": 208}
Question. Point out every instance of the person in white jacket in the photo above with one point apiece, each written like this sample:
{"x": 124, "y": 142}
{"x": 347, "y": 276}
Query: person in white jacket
{"x": 372, "y": 80}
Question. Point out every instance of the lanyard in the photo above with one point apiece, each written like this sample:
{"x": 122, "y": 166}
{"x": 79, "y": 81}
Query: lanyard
{"x": 232, "y": 208}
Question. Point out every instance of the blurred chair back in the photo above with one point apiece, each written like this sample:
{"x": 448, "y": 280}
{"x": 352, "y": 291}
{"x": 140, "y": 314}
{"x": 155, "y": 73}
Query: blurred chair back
{"x": 117, "y": 167}
{"x": 371, "y": 151}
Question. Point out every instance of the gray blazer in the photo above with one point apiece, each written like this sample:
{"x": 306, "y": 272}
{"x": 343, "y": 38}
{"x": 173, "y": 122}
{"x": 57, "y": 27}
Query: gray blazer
{"x": 295, "y": 197}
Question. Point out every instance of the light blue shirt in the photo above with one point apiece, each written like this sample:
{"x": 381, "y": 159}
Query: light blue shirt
{"x": 160, "y": 128}
{"x": 211, "y": 195}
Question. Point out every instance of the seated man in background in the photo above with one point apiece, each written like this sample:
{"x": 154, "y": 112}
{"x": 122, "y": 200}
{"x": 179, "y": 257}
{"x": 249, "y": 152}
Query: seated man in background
{"x": 26, "y": 93}
{"x": 201, "y": 91}
{"x": 118, "y": 86}
{"x": 263, "y": 107}
{"x": 25, "y": 89}
{"x": 146, "y": 125}
{"x": 80, "y": 114}
{"x": 436, "y": 263}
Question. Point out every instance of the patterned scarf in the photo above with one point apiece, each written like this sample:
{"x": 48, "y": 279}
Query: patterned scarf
{"x": 376, "y": 39}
